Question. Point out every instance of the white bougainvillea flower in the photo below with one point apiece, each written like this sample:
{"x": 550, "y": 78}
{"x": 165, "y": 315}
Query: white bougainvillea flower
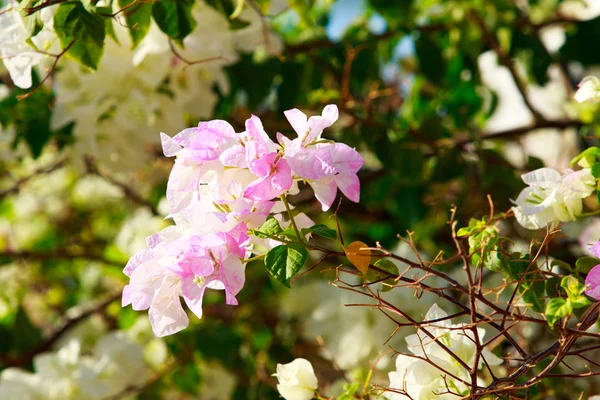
{"x": 415, "y": 378}
{"x": 18, "y": 57}
{"x": 589, "y": 90}
{"x": 551, "y": 197}
{"x": 297, "y": 380}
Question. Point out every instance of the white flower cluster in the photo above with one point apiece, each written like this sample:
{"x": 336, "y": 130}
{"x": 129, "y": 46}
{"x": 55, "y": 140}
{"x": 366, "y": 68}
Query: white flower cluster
{"x": 432, "y": 373}
{"x": 353, "y": 336}
{"x": 114, "y": 364}
{"x": 134, "y": 92}
{"x": 552, "y": 197}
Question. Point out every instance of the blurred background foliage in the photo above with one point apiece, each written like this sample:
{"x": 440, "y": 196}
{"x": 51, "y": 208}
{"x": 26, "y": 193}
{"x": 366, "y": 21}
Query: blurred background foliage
{"x": 449, "y": 101}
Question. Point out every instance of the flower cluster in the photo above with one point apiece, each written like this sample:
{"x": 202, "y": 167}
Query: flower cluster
{"x": 431, "y": 372}
{"x": 551, "y": 197}
{"x": 224, "y": 185}
{"x": 69, "y": 374}
{"x": 135, "y": 89}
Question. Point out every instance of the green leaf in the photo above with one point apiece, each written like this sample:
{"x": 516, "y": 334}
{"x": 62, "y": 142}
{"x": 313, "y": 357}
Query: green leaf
{"x": 31, "y": 116}
{"x": 496, "y": 261}
{"x": 387, "y": 266}
{"x": 26, "y": 336}
{"x": 585, "y": 264}
{"x": 283, "y": 262}
{"x": 588, "y": 154}
{"x": 82, "y": 31}
{"x": 108, "y": 23}
{"x": 596, "y": 170}
{"x": 553, "y": 287}
{"x": 580, "y": 302}
{"x": 532, "y": 290}
{"x": 556, "y": 309}
{"x": 350, "y": 389}
{"x": 572, "y": 286}
{"x": 270, "y": 228}
{"x": 33, "y": 23}
{"x": 138, "y": 19}
{"x": 174, "y": 17}
{"x": 561, "y": 264}
{"x": 532, "y": 287}
{"x": 321, "y": 230}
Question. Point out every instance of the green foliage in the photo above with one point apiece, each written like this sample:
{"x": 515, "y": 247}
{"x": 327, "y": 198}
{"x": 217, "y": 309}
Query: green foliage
{"x": 174, "y": 17}
{"x": 81, "y": 32}
{"x": 350, "y": 390}
{"x": 532, "y": 283}
{"x": 558, "y": 307}
{"x": 388, "y": 269}
{"x": 585, "y": 264}
{"x": 321, "y": 230}
{"x": 268, "y": 229}
{"x": 30, "y": 117}
{"x": 138, "y": 17}
{"x": 284, "y": 261}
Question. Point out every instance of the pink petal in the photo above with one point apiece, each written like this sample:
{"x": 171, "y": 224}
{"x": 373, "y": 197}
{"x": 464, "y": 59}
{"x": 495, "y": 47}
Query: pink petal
{"x": 180, "y": 185}
{"x": 349, "y": 185}
{"x": 233, "y": 277}
{"x": 166, "y": 313}
{"x": 126, "y": 297}
{"x": 346, "y": 160}
{"x": 282, "y": 177}
{"x": 592, "y": 280}
{"x": 595, "y": 249}
{"x": 234, "y": 156}
{"x": 325, "y": 190}
{"x": 312, "y": 162}
{"x": 261, "y": 189}
{"x": 298, "y": 120}
{"x": 137, "y": 259}
{"x": 193, "y": 295}
{"x": 169, "y": 146}
{"x": 262, "y": 166}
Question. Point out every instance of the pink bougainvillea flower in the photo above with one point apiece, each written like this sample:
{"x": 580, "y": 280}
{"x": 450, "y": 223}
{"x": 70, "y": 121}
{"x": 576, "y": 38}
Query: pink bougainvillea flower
{"x": 310, "y": 129}
{"x": 327, "y": 168}
{"x": 275, "y": 177}
{"x": 196, "y": 150}
{"x": 214, "y": 261}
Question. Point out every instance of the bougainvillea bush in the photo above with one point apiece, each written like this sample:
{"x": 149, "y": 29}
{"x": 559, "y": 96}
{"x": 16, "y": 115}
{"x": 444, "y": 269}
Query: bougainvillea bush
{"x": 332, "y": 199}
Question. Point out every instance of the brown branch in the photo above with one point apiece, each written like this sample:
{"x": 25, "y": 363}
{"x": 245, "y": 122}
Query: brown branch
{"x": 193, "y": 62}
{"x": 68, "y": 322}
{"x": 505, "y": 60}
{"x": 55, "y": 255}
{"x": 45, "y": 4}
{"x": 16, "y": 187}
{"x": 52, "y": 68}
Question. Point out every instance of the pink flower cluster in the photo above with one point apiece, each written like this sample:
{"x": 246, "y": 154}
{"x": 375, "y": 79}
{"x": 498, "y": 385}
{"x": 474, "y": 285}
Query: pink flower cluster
{"x": 222, "y": 186}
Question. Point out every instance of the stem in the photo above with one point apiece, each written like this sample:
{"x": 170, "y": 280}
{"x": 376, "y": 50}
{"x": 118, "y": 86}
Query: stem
{"x": 258, "y": 257}
{"x": 289, "y": 211}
